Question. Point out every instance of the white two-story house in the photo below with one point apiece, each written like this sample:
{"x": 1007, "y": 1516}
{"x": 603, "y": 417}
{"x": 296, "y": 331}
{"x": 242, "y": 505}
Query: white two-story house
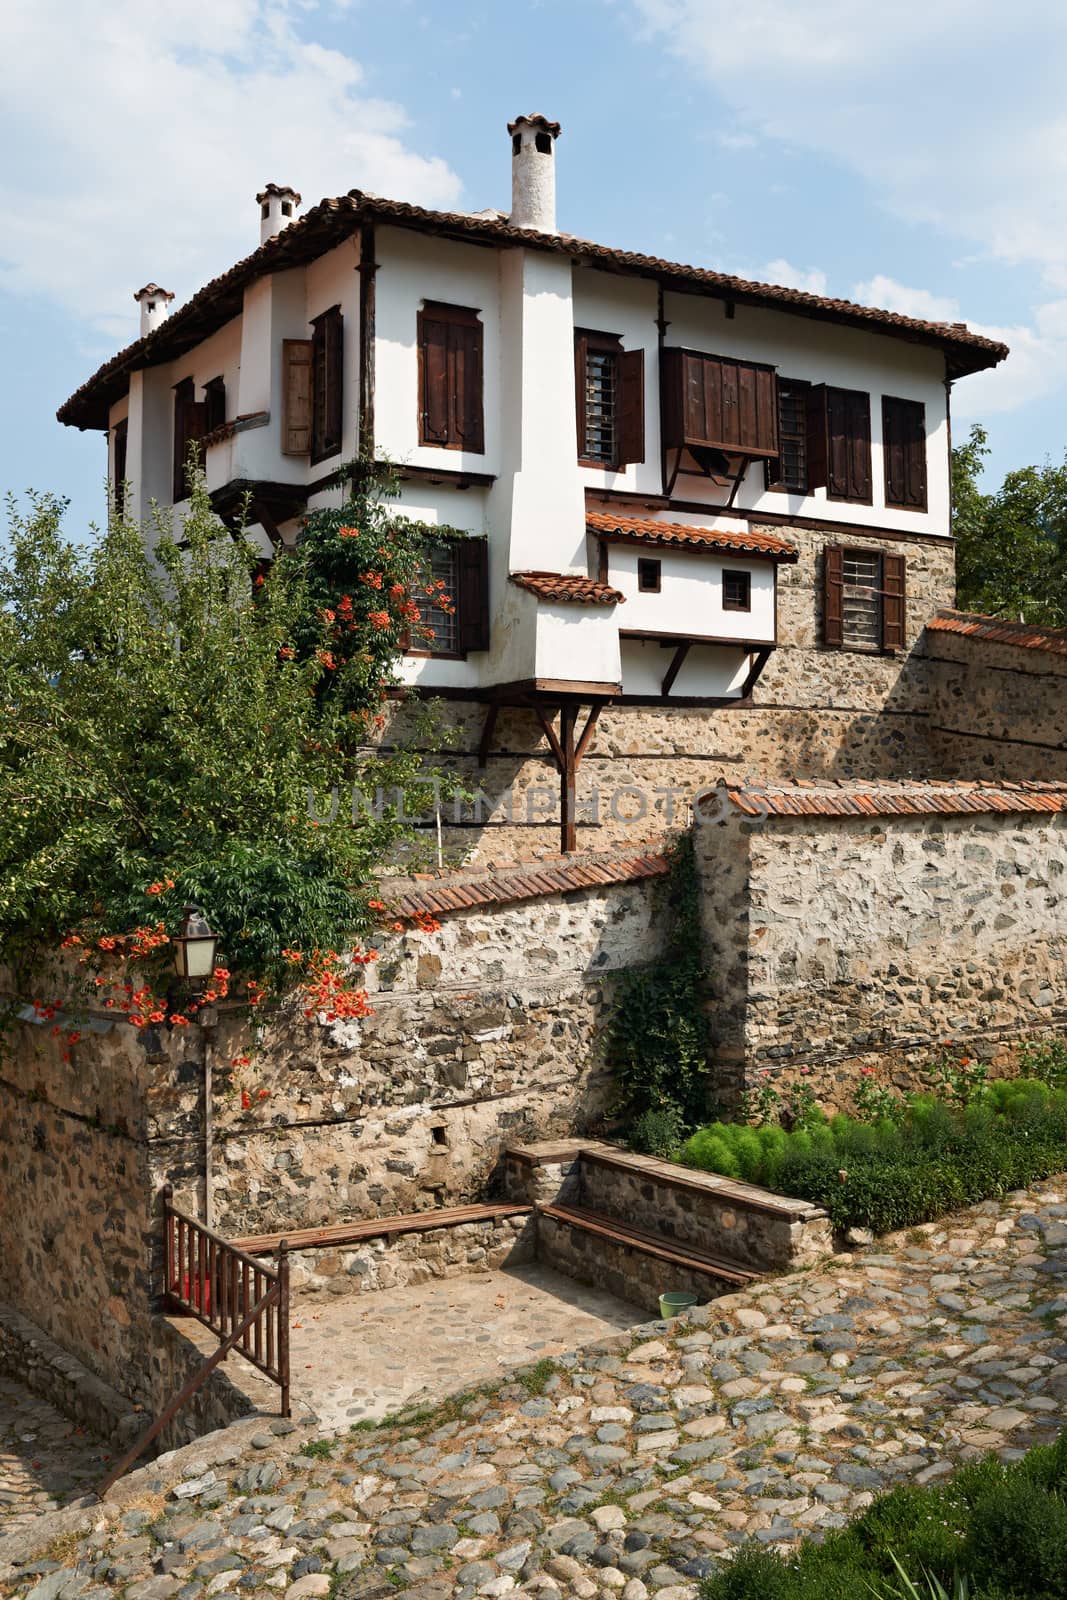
{"x": 639, "y": 449}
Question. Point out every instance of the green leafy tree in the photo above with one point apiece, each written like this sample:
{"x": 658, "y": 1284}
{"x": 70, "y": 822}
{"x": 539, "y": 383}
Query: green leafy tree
{"x": 165, "y": 711}
{"x": 1011, "y": 544}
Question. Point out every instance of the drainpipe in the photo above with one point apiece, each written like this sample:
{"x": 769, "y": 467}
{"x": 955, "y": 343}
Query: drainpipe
{"x": 367, "y": 270}
{"x": 208, "y": 1019}
{"x": 661, "y": 325}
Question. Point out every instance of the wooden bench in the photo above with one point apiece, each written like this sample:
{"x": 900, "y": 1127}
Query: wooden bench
{"x": 657, "y": 1246}
{"x": 345, "y": 1233}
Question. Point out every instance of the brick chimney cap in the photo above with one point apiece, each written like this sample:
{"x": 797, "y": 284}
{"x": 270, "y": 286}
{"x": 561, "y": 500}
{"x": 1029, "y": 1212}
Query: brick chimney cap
{"x": 152, "y": 291}
{"x": 535, "y": 120}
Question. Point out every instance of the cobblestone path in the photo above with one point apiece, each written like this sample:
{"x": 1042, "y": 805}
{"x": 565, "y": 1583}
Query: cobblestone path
{"x": 644, "y": 1461}
{"x": 45, "y": 1460}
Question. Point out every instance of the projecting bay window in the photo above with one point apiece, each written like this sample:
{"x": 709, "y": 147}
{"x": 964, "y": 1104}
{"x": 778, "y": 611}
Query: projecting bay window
{"x": 452, "y": 595}
{"x": 609, "y": 389}
{"x": 864, "y": 600}
{"x": 789, "y": 472}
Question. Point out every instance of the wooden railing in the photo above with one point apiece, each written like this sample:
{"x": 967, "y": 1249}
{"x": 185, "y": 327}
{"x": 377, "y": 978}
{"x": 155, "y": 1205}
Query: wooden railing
{"x": 241, "y": 1299}
{"x": 212, "y": 1280}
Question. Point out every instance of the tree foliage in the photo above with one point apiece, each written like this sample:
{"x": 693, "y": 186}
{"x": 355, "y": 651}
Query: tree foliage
{"x": 1011, "y": 544}
{"x": 165, "y": 711}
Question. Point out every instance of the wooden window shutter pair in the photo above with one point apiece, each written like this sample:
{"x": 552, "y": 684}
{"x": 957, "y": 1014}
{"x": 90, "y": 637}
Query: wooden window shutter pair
{"x": 313, "y": 389}
{"x": 839, "y": 442}
{"x": 719, "y": 403}
{"x": 451, "y": 355}
{"x": 904, "y": 450}
{"x": 893, "y": 595}
{"x": 118, "y": 467}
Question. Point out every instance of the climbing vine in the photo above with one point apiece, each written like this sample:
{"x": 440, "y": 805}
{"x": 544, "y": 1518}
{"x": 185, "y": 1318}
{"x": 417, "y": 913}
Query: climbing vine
{"x": 658, "y": 1036}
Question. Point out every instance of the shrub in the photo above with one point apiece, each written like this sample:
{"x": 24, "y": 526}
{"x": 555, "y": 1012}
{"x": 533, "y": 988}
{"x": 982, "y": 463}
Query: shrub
{"x": 898, "y": 1172}
{"x": 657, "y": 1131}
{"x": 992, "y": 1532}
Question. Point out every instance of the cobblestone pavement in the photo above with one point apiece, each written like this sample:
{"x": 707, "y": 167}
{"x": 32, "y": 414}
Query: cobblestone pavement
{"x": 365, "y": 1357}
{"x": 640, "y": 1465}
{"x": 45, "y": 1460}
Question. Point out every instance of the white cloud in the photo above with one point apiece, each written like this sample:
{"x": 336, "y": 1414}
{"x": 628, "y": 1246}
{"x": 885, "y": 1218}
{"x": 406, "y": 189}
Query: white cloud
{"x": 952, "y": 111}
{"x": 890, "y": 295}
{"x": 811, "y": 279}
{"x": 142, "y": 135}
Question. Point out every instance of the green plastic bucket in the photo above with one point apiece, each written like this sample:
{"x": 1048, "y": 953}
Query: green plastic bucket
{"x": 673, "y": 1305}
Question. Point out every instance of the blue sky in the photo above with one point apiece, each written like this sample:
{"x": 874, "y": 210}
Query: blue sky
{"x": 916, "y": 159}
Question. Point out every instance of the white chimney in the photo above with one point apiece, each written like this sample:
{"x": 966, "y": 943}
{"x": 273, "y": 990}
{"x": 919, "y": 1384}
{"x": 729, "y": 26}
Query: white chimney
{"x": 154, "y": 303}
{"x": 277, "y": 208}
{"x": 533, "y": 173}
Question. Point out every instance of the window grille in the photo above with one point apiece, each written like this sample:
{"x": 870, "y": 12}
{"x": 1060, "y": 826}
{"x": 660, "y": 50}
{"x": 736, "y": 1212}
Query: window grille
{"x": 862, "y": 601}
{"x": 442, "y": 619}
{"x": 601, "y": 392}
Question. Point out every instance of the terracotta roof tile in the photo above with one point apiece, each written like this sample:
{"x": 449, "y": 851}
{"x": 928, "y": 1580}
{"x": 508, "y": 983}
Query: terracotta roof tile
{"x": 568, "y": 588}
{"x": 332, "y": 220}
{"x": 647, "y": 530}
{"x": 1027, "y": 635}
{"x": 533, "y": 882}
{"x": 897, "y": 799}
{"x": 536, "y": 119}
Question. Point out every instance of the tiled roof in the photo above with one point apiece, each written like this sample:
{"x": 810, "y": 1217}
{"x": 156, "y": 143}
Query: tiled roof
{"x": 327, "y": 224}
{"x": 459, "y": 892}
{"x": 1024, "y": 634}
{"x": 569, "y": 588}
{"x": 894, "y": 799}
{"x": 649, "y": 531}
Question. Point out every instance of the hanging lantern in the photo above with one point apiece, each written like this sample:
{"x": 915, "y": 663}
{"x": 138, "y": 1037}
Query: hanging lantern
{"x": 194, "y": 947}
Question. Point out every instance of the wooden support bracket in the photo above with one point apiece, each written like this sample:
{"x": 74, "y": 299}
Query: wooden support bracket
{"x": 675, "y": 667}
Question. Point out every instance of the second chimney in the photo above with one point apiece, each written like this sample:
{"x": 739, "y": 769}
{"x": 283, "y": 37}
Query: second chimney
{"x": 277, "y": 209}
{"x": 533, "y": 172}
{"x": 154, "y": 303}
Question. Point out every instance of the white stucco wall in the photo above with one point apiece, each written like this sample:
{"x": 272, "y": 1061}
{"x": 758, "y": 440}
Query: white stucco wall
{"x": 690, "y": 597}
{"x": 709, "y": 671}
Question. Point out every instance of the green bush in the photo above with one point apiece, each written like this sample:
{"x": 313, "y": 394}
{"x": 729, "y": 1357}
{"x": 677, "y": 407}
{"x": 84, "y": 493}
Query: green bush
{"x": 898, "y": 1172}
{"x": 1000, "y": 1531}
{"x": 657, "y": 1131}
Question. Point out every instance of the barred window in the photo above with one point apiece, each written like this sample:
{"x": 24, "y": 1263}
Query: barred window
{"x": 437, "y": 611}
{"x": 790, "y": 471}
{"x": 601, "y": 387}
{"x": 862, "y": 601}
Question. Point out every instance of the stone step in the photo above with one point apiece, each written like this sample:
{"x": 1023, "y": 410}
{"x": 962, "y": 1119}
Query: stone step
{"x": 634, "y": 1263}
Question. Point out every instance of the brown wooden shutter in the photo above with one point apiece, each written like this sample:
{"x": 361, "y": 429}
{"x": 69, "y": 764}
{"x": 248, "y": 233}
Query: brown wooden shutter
{"x": 818, "y": 453}
{"x": 837, "y": 420}
{"x": 894, "y": 603}
{"x": 434, "y": 398}
{"x": 904, "y": 452}
{"x": 333, "y": 416}
{"x": 472, "y": 597}
{"x": 719, "y": 403}
{"x": 296, "y": 397}
{"x": 466, "y": 355}
{"x": 833, "y": 596}
{"x": 859, "y": 445}
{"x": 630, "y": 407}
{"x": 581, "y": 358}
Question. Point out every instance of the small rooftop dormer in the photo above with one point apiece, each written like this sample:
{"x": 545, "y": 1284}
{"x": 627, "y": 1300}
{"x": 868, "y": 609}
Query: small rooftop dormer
{"x": 154, "y": 303}
{"x": 278, "y": 206}
{"x": 533, "y": 172}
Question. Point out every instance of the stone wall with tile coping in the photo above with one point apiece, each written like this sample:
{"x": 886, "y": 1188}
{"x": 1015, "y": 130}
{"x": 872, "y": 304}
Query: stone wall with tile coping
{"x": 392, "y": 1260}
{"x": 996, "y": 708}
{"x": 836, "y": 943}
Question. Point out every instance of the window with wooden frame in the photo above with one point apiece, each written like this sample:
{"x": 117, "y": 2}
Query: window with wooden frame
{"x": 649, "y": 575}
{"x": 737, "y": 591}
{"x": 189, "y": 429}
{"x": 788, "y": 472}
{"x": 451, "y": 357}
{"x": 864, "y": 600}
{"x": 214, "y": 404}
{"x": 839, "y": 442}
{"x": 609, "y": 391}
{"x": 327, "y": 383}
{"x": 452, "y": 594}
{"x": 118, "y": 465}
{"x": 904, "y": 452}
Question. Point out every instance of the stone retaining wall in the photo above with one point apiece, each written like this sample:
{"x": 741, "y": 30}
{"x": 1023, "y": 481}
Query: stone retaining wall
{"x": 619, "y": 1269}
{"x": 996, "y": 708}
{"x": 838, "y": 942}
{"x": 27, "y": 1353}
